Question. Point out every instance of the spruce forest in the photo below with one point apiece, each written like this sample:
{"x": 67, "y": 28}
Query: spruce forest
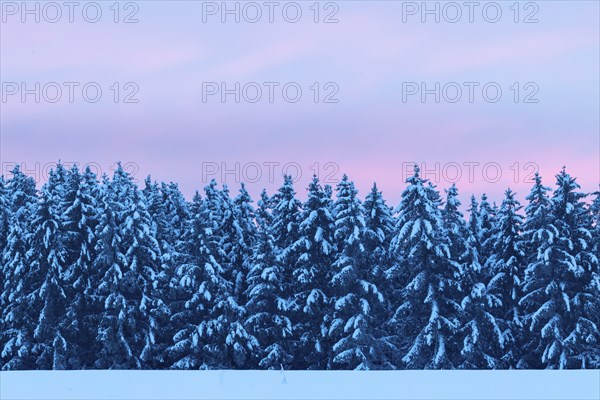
{"x": 97, "y": 273}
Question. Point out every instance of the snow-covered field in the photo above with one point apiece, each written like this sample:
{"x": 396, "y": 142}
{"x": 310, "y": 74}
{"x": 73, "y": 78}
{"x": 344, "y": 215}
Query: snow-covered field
{"x": 346, "y": 385}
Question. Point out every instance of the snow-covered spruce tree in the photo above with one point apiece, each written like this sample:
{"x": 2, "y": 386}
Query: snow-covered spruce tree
{"x": 212, "y": 335}
{"x": 455, "y": 225}
{"x": 199, "y": 277}
{"x": 5, "y": 216}
{"x": 284, "y": 227}
{"x": 176, "y": 211}
{"x": 575, "y": 225}
{"x": 189, "y": 294}
{"x": 228, "y": 344}
{"x": 171, "y": 220}
{"x": 243, "y": 238}
{"x": 57, "y": 182}
{"x": 595, "y": 254}
{"x": 18, "y": 318}
{"x": 595, "y": 214}
{"x": 537, "y": 211}
{"x": 267, "y": 307}
{"x": 264, "y": 213}
{"x": 487, "y": 221}
{"x": 328, "y": 189}
{"x": 354, "y": 330}
{"x": 561, "y": 286}
{"x": 507, "y": 264}
{"x": 112, "y": 347}
{"x": 169, "y": 214}
{"x": 127, "y": 261}
{"x": 426, "y": 316}
{"x": 536, "y": 228}
{"x": 22, "y": 195}
{"x": 143, "y": 255}
{"x": 379, "y": 228}
{"x": 315, "y": 249}
{"x": 474, "y": 223}
{"x": 153, "y": 196}
{"x": 538, "y": 231}
{"x": 225, "y": 236}
{"x": 155, "y": 201}
{"x": 482, "y": 339}
{"x": 595, "y": 217}
{"x": 80, "y": 218}
{"x": 285, "y": 223}
{"x": 480, "y": 227}
{"x": 217, "y": 214}
{"x": 48, "y": 299}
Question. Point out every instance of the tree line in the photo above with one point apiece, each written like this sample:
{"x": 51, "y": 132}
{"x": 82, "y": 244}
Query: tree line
{"x": 97, "y": 273}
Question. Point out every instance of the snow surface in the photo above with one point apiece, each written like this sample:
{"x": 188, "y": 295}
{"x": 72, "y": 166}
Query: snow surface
{"x": 346, "y": 385}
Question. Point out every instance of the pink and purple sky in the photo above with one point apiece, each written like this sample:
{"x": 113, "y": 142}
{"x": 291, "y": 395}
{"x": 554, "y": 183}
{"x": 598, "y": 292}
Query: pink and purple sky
{"x": 370, "y": 134}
